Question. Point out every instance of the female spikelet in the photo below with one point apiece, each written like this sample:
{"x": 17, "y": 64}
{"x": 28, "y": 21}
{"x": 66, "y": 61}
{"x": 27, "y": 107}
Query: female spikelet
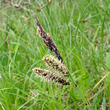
{"x": 49, "y": 76}
{"x": 55, "y": 65}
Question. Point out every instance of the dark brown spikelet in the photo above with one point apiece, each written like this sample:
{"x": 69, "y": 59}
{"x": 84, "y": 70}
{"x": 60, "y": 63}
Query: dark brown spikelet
{"x": 47, "y": 40}
{"x": 50, "y": 76}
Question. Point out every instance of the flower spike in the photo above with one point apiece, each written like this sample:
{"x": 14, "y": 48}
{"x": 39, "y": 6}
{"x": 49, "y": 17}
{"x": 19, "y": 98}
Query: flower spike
{"x": 47, "y": 40}
{"x": 56, "y": 65}
{"x": 50, "y": 76}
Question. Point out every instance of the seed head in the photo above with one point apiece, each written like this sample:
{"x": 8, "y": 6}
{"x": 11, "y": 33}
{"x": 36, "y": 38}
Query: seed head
{"x": 55, "y": 64}
{"x": 50, "y": 76}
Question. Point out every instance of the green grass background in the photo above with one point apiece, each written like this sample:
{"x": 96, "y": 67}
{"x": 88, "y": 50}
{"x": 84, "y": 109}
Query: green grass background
{"x": 81, "y": 32}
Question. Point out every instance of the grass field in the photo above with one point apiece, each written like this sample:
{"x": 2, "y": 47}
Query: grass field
{"x": 81, "y": 32}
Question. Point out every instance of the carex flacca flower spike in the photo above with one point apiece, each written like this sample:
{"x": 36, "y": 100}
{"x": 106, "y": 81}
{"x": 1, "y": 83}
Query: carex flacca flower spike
{"x": 56, "y": 65}
{"x": 47, "y": 40}
{"x": 47, "y": 75}
{"x": 57, "y": 70}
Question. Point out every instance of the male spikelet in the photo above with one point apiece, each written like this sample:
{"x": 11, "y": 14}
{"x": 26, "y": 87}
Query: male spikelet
{"x": 50, "y": 76}
{"x": 55, "y": 64}
{"x": 48, "y": 41}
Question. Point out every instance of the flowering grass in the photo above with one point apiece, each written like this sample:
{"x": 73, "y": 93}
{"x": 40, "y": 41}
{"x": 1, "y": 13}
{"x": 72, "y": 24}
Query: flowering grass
{"x": 80, "y": 30}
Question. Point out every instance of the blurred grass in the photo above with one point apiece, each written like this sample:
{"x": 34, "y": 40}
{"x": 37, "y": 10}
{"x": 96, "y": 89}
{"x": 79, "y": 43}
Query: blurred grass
{"x": 80, "y": 30}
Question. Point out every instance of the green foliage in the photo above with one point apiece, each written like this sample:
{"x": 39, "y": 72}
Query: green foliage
{"x": 80, "y": 30}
